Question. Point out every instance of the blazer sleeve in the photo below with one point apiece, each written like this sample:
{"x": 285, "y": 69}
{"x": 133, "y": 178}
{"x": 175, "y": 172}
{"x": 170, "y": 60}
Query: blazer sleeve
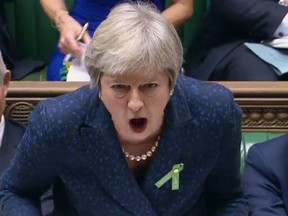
{"x": 224, "y": 186}
{"x": 264, "y": 196}
{"x": 259, "y": 19}
{"x": 31, "y": 171}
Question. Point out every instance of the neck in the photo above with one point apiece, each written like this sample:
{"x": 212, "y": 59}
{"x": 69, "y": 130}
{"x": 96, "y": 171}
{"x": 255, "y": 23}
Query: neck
{"x": 140, "y": 152}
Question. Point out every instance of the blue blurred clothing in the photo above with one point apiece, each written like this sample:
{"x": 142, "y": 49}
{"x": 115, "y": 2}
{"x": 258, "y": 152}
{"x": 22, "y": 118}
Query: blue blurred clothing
{"x": 72, "y": 140}
{"x": 266, "y": 178}
{"x": 94, "y": 12}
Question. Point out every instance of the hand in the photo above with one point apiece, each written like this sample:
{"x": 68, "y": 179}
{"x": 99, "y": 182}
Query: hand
{"x": 283, "y": 2}
{"x": 69, "y": 30}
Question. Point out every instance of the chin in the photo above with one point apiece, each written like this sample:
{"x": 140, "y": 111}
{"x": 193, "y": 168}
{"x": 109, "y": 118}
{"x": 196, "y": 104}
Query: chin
{"x": 135, "y": 137}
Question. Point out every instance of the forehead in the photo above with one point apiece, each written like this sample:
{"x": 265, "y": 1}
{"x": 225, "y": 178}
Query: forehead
{"x": 135, "y": 77}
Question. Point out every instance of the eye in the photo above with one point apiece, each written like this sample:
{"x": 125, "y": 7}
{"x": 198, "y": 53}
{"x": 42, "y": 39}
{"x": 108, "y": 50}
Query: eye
{"x": 150, "y": 89}
{"x": 120, "y": 90}
{"x": 149, "y": 85}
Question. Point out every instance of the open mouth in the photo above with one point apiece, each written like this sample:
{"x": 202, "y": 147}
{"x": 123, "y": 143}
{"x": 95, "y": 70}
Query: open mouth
{"x": 138, "y": 125}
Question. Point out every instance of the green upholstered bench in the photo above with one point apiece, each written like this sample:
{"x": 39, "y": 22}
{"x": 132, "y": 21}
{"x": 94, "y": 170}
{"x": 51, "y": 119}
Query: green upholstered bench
{"x": 36, "y": 37}
{"x": 264, "y": 105}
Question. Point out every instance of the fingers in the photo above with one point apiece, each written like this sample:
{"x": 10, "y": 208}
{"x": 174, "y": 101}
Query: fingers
{"x": 86, "y": 38}
{"x": 67, "y": 42}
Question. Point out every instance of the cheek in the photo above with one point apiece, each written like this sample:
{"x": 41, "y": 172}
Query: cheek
{"x": 158, "y": 104}
{"x": 115, "y": 107}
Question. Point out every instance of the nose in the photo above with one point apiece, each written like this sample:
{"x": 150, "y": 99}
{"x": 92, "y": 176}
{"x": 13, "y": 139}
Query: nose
{"x": 135, "y": 102}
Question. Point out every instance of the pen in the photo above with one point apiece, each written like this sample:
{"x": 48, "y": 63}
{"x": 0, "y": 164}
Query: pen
{"x": 83, "y": 30}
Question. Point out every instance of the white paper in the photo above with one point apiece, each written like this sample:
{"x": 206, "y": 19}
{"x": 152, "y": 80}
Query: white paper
{"x": 77, "y": 71}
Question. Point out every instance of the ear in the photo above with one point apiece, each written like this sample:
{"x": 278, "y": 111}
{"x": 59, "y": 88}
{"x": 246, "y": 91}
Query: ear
{"x": 6, "y": 81}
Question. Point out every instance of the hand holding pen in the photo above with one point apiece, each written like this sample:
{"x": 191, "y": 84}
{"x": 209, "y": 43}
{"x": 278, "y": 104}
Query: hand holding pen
{"x": 70, "y": 35}
{"x": 79, "y": 37}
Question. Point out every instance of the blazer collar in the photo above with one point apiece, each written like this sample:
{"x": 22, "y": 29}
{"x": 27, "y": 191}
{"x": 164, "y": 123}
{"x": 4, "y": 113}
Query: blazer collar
{"x": 177, "y": 110}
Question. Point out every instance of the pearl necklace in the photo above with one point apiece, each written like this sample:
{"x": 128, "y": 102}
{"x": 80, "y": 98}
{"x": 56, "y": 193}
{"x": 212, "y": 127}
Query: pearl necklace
{"x": 149, "y": 153}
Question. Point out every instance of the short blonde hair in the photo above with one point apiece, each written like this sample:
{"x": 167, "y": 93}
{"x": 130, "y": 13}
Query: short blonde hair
{"x": 134, "y": 38}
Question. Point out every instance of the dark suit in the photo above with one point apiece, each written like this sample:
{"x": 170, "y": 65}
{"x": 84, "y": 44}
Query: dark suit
{"x": 72, "y": 139}
{"x": 266, "y": 178}
{"x": 13, "y": 133}
{"x": 226, "y": 25}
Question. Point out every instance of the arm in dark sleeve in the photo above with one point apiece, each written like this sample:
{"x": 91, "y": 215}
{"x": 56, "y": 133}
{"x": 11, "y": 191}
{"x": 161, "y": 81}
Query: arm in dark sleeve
{"x": 264, "y": 196}
{"x": 31, "y": 171}
{"x": 224, "y": 186}
{"x": 257, "y": 18}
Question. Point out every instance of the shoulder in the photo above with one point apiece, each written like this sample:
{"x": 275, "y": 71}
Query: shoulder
{"x": 75, "y": 103}
{"x": 207, "y": 95}
{"x": 79, "y": 95}
{"x": 269, "y": 157}
{"x": 270, "y": 150}
{"x": 64, "y": 113}
{"x": 195, "y": 88}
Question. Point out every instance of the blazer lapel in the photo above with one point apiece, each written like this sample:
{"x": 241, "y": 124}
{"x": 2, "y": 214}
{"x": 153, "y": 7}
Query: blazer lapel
{"x": 178, "y": 144}
{"x": 111, "y": 168}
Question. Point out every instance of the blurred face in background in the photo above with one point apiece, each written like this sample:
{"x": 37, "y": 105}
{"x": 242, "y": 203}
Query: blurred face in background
{"x": 4, "y": 84}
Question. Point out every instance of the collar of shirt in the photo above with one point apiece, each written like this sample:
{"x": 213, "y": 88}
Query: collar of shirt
{"x": 2, "y": 126}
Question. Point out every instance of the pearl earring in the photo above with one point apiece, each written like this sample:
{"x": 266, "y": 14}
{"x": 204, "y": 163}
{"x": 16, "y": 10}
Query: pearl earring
{"x": 171, "y": 93}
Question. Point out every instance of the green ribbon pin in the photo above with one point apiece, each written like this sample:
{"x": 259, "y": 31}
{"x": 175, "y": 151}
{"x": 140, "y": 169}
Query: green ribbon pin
{"x": 174, "y": 175}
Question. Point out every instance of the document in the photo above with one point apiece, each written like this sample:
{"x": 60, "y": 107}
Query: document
{"x": 77, "y": 71}
{"x": 276, "y": 57}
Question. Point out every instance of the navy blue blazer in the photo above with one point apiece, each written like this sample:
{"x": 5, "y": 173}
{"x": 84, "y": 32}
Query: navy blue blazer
{"x": 227, "y": 24}
{"x": 266, "y": 178}
{"x": 72, "y": 140}
{"x": 13, "y": 133}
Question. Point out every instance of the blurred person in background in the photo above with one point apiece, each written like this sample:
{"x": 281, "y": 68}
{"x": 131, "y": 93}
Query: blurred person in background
{"x": 218, "y": 53}
{"x": 94, "y": 12}
{"x": 266, "y": 178}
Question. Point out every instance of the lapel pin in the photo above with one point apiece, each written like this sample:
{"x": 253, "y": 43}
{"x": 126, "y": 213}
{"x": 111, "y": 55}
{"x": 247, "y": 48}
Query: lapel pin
{"x": 174, "y": 175}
